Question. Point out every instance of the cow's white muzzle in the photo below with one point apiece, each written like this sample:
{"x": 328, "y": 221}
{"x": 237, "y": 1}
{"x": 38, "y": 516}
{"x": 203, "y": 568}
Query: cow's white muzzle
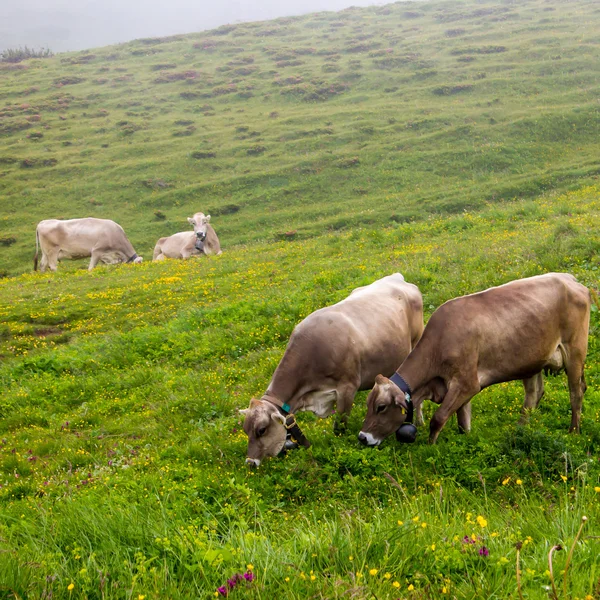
{"x": 367, "y": 439}
{"x": 253, "y": 462}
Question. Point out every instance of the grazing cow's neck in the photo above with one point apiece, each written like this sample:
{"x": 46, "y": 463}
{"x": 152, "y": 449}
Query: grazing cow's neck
{"x": 418, "y": 367}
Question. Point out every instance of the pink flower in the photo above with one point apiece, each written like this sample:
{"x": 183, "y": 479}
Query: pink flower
{"x": 222, "y": 590}
{"x": 249, "y": 576}
{"x": 483, "y": 551}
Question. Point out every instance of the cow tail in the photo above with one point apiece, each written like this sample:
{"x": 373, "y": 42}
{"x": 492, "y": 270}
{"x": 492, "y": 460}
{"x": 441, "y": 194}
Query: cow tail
{"x": 37, "y": 249}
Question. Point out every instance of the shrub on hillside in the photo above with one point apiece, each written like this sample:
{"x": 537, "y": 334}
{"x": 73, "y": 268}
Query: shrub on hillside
{"x": 448, "y": 90}
{"x": 255, "y": 150}
{"x": 200, "y": 154}
{"x": 15, "y": 55}
{"x": 7, "y": 241}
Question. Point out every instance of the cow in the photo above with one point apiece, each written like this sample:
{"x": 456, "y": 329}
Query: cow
{"x": 101, "y": 239}
{"x": 510, "y": 332}
{"x": 203, "y": 240}
{"x": 331, "y": 354}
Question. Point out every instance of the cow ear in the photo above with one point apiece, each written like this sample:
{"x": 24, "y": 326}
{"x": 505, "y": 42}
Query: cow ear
{"x": 243, "y": 411}
{"x": 380, "y": 380}
{"x": 190, "y": 220}
{"x": 277, "y": 416}
{"x": 400, "y": 401}
{"x": 207, "y": 218}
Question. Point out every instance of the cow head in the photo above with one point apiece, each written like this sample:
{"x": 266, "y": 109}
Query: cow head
{"x": 200, "y": 223}
{"x": 265, "y": 427}
{"x": 387, "y": 410}
{"x": 138, "y": 260}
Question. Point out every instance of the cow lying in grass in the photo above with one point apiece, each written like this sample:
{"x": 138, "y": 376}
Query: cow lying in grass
{"x": 514, "y": 331}
{"x": 332, "y": 354}
{"x": 101, "y": 239}
{"x": 203, "y": 240}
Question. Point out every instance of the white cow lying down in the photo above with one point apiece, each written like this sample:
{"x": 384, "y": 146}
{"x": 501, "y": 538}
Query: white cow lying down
{"x": 203, "y": 240}
{"x": 101, "y": 239}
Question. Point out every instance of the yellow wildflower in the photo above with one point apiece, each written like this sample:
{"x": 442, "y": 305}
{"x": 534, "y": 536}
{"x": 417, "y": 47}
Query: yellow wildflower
{"x": 312, "y": 577}
{"x": 433, "y": 547}
{"x": 250, "y": 567}
{"x": 388, "y": 576}
{"x": 597, "y": 489}
{"x": 416, "y": 519}
{"x": 396, "y": 584}
{"x": 287, "y": 579}
{"x": 444, "y": 590}
{"x": 423, "y": 524}
{"x": 70, "y": 587}
{"x": 505, "y": 481}
{"x": 411, "y": 587}
{"x": 373, "y": 572}
{"x": 402, "y": 522}
{"x": 519, "y": 481}
{"x": 563, "y": 477}
{"x": 482, "y": 522}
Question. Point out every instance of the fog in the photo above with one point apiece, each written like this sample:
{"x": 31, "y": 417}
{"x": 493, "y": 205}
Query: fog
{"x": 63, "y": 25}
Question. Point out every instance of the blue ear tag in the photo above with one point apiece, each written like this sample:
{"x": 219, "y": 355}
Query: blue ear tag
{"x": 285, "y": 406}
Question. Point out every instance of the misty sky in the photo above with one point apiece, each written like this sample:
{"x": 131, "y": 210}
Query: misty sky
{"x": 81, "y": 24}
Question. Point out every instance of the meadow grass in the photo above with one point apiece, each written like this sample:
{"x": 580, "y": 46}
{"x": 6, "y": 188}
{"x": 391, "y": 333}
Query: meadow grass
{"x": 455, "y": 143}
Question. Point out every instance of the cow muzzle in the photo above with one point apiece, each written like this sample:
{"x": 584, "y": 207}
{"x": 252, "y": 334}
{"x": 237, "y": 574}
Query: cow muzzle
{"x": 253, "y": 462}
{"x": 367, "y": 439}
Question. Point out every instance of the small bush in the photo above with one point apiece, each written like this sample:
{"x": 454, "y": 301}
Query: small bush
{"x": 162, "y": 67}
{"x": 346, "y": 163}
{"x": 7, "y": 241}
{"x": 228, "y": 209}
{"x": 449, "y": 90}
{"x": 203, "y": 154}
{"x": 15, "y": 55}
{"x": 255, "y": 150}
{"x": 159, "y": 215}
{"x": 68, "y": 81}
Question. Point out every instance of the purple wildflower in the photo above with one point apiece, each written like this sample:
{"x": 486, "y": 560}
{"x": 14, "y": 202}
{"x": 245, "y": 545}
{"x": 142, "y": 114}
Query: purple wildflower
{"x": 222, "y": 590}
{"x": 249, "y": 576}
{"x": 483, "y": 551}
{"x": 467, "y": 540}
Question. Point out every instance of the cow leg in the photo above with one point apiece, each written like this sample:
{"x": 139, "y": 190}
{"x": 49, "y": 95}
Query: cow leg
{"x": 419, "y": 421}
{"x": 463, "y": 416}
{"x": 459, "y": 393}
{"x": 95, "y": 259}
{"x": 344, "y": 400}
{"x": 577, "y": 387}
{"x": 50, "y": 259}
{"x": 160, "y": 256}
{"x": 534, "y": 390}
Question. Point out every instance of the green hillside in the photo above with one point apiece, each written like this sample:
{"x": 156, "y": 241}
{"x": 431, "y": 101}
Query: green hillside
{"x": 329, "y": 121}
{"x": 453, "y": 142}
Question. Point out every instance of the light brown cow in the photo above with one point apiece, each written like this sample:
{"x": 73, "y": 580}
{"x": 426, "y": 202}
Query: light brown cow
{"x": 102, "y": 239}
{"x": 514, "y": 331}
{"x": 203, "y": 240}
{"x": 333, "y": 353}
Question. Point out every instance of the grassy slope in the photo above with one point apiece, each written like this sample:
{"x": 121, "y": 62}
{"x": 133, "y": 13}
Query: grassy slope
{"x": 409, "y": 128}
{"x": 121, "y": 453}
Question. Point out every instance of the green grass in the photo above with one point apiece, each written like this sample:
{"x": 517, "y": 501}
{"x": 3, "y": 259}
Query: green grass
{"x": 121, "y": 450}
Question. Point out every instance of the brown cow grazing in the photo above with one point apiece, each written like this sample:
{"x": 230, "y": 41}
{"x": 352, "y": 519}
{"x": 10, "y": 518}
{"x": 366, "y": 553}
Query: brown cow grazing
{"x": 203, "y": 240}
{"x": 101, "y": 239}
{"x": 332, "y": 354}
{"x": 514, "y": 331}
